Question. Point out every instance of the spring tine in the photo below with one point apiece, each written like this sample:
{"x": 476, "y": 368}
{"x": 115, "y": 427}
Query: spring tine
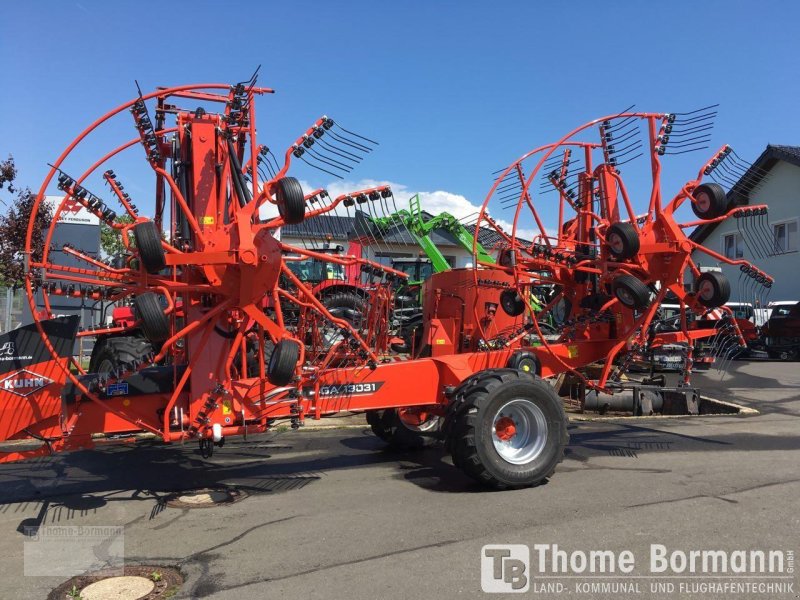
{"x": 355, "y": 134}
{"x": 330, "y": 162}
{"x": 697, "y": 119}
{"x": 320, "y": 168}
{"x": 349, "y": 142}
{"x": 324, "y": 157}
{"x": 626, "y": 161}
{"x": 340, "y": 151}
{"x": 687, "y": 151}
{"x": 691, "y": 130}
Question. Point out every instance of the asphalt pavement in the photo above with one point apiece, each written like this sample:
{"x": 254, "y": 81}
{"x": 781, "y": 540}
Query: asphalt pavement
{"x": 332, "y": 514}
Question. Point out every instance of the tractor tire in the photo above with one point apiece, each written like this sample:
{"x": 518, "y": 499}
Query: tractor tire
{"x": 282, "y": 363}
{"x": 125, "y": 353}
{"x": 631, "y": 292}
{"x": 508, "y": 429}
{"x": 390, "y": 428}
{"x": 155, "y": 324}
{"x": 148, "y": 242}
{"x": 511, "y": 303}
{"x": 623, "y": 240}
{"x": 526, "y": 361}
{"x": 346, "y": 305}
{"x": 291, "y": 200}
{"x": 710, "y": 201}
{"x": 712, "y": 289}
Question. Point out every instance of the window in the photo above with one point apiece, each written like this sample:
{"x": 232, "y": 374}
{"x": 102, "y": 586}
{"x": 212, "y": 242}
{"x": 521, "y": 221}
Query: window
{"x": 733, "y": 245}
{"x": 785, "y": 236}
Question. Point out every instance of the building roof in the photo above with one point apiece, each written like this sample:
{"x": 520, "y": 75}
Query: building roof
{"x": 739, "y": 193}
{"x": 324, "y": 227}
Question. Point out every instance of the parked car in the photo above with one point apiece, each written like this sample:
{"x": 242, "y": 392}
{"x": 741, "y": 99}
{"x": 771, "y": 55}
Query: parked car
{"x": 781, "y": 333}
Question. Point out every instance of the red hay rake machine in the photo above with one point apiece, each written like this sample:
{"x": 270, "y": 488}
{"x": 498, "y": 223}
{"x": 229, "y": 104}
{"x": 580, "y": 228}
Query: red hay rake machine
{"x": 224, "y": 338}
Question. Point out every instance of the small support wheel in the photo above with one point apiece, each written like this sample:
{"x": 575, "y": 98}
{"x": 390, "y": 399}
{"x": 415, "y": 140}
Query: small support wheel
{"x": 525, "y": 361}
{"x": 623, "y": 240}
{"x": 291, "y": 200}
{"x": 713, "y": 289}
{"x": 511, "y": 303}
{"x": 282, "y": 363}
{"x": 631, "y": 291}
{"x": 508, "y": 429}
{"x": 148, "y": 243}
{"x": 709, "y": 201}
{"x": 155, "y": 324}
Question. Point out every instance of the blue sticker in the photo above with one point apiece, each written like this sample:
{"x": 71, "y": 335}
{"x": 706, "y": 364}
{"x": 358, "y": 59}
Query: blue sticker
{"x": 117, "y": 389}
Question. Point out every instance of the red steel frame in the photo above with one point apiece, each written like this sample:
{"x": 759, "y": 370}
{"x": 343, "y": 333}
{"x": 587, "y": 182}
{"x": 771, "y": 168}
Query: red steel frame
{"x": 231, "y": 275}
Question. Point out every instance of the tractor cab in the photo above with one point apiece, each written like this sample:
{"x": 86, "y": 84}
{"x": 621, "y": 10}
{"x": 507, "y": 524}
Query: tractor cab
{"x": 417, "y": 269}
{"x": 314, "y": 270}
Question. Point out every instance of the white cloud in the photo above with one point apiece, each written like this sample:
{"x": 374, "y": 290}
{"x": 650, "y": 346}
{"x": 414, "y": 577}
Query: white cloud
{"x": 434, "y": 202}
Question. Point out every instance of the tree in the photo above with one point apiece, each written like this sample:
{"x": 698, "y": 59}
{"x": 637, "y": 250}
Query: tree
{"x": 14, "y": 228}
{"x": 111, "y": 240}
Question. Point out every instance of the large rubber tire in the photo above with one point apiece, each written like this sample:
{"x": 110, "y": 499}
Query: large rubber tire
{"x": 710, "y": 201}
{"x": 472, "y": 434}
{"x": 282, "y": 363}
{"x": 511, "y": 303}
{"x": 155, "y": 324}
{"x": 349, "y": 306}
{"x": 126, "y": 353}
{"x": 148, "y": 243}
{"x": 291, "y": 200}
{"x": 713, "y": 289}
{"x": 631, "y": 292}
{"x": 389, "y": 427}
{"x": 623, "y": 240}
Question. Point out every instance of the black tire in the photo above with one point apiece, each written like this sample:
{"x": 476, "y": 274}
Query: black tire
{"x": 631, "y": 292}
{"x": 148, "y": 243}
{"x": 507, "y": 258}
{"x": 346, "y": 305}
{"x": 282, "y": 363}
{"x": 125, "y": 353}
{"x": 389, "y": 427}
{"x": 511, "y": 303}
{"x": 471, "y": 430}
{"x": 623, "y": 240}
{"x": 526, "y": 361}
{"x": 291, "y": 201}
{"x": 710, "y": 201}
{"x": 155, "y": 324}
{"x": 713, "y": 289}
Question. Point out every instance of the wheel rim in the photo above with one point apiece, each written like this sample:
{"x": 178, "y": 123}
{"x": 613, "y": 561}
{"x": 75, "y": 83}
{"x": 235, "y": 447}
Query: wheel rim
{"x": 706, "y": 291}
{"x": 625, "y": 297}
{"x": 703, "y": 201}
{"x": 519, "y": 431}
{"x": 105, "y": 366}
{"x": 615, "y": 242}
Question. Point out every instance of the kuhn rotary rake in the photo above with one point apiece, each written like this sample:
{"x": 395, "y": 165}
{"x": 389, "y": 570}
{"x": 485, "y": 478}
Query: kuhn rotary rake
{"x": 225, "y": 338}
{"x": 611, "y": 266}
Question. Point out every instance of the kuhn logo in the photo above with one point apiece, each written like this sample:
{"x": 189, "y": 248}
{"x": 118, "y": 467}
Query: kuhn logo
{"x": 24, "y": 383}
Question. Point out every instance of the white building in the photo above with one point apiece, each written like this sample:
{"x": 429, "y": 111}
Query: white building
{"x": 774, "y": 179}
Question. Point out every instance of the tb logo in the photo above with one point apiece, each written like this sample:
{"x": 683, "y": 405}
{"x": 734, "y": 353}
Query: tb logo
{"x": 8, "y": 349}
{"x": 504, "y": 568}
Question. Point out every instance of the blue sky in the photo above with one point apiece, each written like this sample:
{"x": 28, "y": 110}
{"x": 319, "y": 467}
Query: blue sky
{"x": 452, "y": 90}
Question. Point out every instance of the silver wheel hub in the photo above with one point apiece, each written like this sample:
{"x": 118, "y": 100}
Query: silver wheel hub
{"x": 519, "y": 431}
